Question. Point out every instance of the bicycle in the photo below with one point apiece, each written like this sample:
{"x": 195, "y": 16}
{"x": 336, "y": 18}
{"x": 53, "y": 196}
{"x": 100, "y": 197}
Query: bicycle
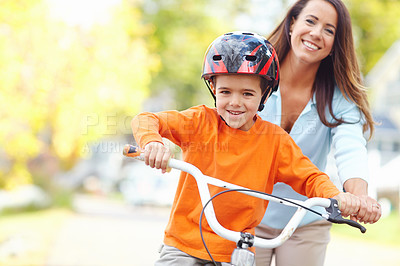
{"x": 242, "y": 255}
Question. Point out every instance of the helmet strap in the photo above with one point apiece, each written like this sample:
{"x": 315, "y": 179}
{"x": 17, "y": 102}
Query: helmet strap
{"x": 263, "y": 98}
{"x": 207, "y": 82}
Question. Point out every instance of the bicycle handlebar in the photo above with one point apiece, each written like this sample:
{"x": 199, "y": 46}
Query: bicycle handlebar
{"x": 333, "y": 213}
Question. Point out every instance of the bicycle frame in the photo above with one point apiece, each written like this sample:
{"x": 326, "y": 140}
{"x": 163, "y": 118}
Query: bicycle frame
{"x": 202, "y": 184}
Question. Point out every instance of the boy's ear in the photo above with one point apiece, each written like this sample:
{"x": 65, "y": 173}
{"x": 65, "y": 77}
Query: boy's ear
{"x": 212, "y": 86}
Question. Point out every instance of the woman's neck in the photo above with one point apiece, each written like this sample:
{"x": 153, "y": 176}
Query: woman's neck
{"x": 297, "y": 75}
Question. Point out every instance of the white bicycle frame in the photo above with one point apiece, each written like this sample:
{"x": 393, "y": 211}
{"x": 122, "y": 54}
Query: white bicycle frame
{"x": 202, "y": 183}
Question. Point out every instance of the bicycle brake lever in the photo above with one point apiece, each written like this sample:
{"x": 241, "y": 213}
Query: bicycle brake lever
{"x": 335, "y": 216}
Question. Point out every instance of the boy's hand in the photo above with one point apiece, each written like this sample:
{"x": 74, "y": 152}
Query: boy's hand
{"x": 156, "y": 155}
{"x": 348, "y": 204}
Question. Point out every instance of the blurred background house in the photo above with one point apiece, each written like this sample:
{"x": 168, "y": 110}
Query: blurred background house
{"x": 384, "y": 148}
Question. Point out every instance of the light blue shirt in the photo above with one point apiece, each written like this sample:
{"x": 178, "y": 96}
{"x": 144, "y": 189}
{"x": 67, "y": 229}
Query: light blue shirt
{"x": 315, "y": 139}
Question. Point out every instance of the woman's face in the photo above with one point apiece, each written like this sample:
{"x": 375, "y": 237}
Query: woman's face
{"x": 313, "y": 32}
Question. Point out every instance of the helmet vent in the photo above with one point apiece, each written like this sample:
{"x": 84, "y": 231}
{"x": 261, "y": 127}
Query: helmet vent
{"x": 251, "y": 58}
{"x": 217, "y": 57}
{"x": 248, "y": 33}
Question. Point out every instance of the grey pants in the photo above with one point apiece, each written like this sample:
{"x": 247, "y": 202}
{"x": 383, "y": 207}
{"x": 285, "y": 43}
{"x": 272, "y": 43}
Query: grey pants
{"x": 171, "y": 256}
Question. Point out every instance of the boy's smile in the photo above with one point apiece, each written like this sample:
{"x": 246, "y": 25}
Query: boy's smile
{"x": 238, "y": 98}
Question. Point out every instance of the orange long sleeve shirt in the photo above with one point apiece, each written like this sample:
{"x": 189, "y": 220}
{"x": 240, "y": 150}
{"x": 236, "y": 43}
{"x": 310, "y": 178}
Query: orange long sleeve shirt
{"x": 255, "y": 159}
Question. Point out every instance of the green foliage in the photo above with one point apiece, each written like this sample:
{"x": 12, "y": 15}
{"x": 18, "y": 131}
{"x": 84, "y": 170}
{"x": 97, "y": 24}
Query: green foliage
{"x": 376, "y": 25}
{"x": 182, "y": 32}
{"x": 23, "y": 209}
{"x": 65, "y": 84}
{"x": 60, "y": 83}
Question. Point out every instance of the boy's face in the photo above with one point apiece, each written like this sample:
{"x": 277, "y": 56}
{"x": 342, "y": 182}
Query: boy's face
{"x": 238, "y": 98}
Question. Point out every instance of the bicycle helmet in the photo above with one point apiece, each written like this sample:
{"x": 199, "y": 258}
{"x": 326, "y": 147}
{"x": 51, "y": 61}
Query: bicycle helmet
{"x": 242, "y": 53}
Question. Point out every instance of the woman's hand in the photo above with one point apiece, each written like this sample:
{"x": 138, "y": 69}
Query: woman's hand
{"x": 370, "y": 210}
{"x": 362, "y": 209}
{"x": 156, "y": 155}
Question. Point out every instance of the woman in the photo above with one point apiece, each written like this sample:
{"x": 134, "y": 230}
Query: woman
{"x": 321, "y": 103}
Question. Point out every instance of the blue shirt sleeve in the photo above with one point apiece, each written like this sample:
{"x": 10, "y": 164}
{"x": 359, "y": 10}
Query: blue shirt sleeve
{"x": 348, "y": 142}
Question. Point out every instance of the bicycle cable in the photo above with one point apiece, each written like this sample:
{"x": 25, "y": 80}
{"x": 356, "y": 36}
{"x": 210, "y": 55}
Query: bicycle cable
{"x": 247, "y": 190}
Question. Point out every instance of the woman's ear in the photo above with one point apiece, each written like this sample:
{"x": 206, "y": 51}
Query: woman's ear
{"x": 291, "y": 25}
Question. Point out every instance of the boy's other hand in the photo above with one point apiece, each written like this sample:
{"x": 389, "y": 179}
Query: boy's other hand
{"x": 349, "y": 204}
{"x": 156, "y": 155}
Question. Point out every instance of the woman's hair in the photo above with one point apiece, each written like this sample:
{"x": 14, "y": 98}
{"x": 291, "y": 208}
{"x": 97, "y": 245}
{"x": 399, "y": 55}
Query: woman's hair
{"x": 341, "y": 67}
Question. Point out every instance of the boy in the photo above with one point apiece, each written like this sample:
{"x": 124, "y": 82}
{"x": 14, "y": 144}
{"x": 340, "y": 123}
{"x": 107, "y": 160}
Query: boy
{"x": 229, "y": 142}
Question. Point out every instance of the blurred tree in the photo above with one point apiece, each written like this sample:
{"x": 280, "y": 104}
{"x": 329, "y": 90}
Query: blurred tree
{"x": 64, "y": 85}
{"x": 183, "y": 29}
{"x": 376, "y": 25}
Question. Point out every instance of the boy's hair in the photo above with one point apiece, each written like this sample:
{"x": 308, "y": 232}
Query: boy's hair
{"x": 243, "y": 53}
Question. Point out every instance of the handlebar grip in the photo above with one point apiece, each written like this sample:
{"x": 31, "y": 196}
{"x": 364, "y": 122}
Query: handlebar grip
{"x": 133, "y": 151}
{"x": 335, "y": 216}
